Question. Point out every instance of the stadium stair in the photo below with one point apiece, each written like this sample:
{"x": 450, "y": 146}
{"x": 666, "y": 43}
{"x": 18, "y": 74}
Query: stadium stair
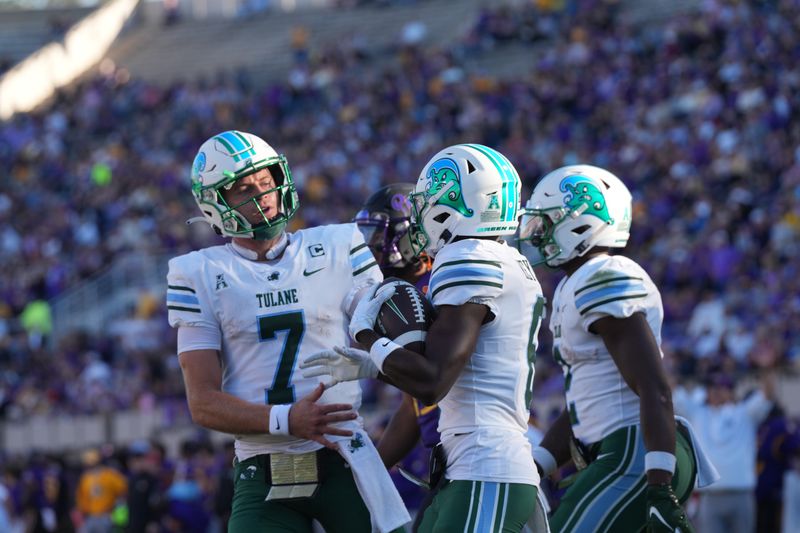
{"x": 25, "y": 31}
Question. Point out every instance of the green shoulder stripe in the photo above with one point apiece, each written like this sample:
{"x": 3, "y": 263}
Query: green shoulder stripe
{"x": 604, "y": 281}
{"x": 468, "y": 261}
{"x": 603, "y": 302}
{"x": 180, "y": 288}
{"x": 357, "y": 248}
{"x": 179, "y": 308}
{"x": 365, "y": 268}
{"x": 460, "y": 283}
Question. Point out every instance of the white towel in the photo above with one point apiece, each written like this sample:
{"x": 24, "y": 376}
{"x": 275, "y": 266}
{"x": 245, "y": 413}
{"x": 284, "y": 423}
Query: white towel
{"x": 706, "y": 472}
{"x": 386, "y": 509}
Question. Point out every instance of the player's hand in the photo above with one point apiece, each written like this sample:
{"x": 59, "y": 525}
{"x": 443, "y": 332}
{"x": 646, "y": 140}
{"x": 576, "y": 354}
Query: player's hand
{"x": 368, "y": 307}
{"x": 311, "y": 420}
{"x": 341, "y": 364}
{"x": 664, "y": 512}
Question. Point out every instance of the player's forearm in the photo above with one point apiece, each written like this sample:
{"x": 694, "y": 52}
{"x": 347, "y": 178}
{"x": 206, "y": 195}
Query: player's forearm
{"x": 658, "y": 427}
{"x": 414, "y": 374}
{"x": 408, "y": 371}
{"x": 226, "y": 413}
{"x": 557, "y": 438}
{"x": 400, "y": 436}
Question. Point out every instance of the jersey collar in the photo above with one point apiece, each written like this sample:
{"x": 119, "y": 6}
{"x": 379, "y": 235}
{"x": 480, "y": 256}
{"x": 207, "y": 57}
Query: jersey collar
{"x": 273, "y": 252}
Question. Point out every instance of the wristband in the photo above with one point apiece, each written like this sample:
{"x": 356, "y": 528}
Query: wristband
{"x": 380, "y": 350}
{"x": 659, "y": 461}
{"x": 279, "y": 419}
{"x": 545, "y": 459}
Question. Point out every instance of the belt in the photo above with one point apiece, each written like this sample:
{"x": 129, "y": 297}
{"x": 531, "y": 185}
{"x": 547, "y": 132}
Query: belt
{"x": 325, "y": 456}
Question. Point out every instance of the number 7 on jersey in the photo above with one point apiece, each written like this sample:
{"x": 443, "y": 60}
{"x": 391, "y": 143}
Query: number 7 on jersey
{"x": 293, "y": 323}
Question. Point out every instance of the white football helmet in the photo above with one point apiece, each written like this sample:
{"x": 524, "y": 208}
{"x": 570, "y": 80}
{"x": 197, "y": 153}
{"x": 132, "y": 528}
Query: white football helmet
{"x": 573, "y": 209}
{"x": 466, "y": 190}
{"x": 221, "y": 161}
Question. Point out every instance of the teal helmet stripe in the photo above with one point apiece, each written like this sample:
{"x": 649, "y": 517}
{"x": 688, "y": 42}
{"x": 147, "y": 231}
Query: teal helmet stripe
{"x": 236, "y": 144}
{"x": 227, "y": 142}
{"x": 247, "y": 144}
{"x": 249, "y": 153}
{"x": 509, "y": 177}
{"x": 513, "y": 189}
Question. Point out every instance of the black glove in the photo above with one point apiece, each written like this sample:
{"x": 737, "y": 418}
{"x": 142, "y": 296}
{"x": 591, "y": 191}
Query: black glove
{"x": 664, "y": 512}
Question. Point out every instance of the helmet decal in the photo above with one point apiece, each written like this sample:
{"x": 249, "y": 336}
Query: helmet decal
{"x": 583, "y": 194}
{"x": 400, "y": 202}
{"x": 199, "y": 165}
{"x": 444, "y": 175}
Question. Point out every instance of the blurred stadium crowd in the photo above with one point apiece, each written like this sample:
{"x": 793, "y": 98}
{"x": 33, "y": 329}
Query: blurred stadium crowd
{"x": 699, "y": 115}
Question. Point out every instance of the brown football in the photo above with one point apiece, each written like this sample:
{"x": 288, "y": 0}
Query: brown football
{"x": 406, "y": 316}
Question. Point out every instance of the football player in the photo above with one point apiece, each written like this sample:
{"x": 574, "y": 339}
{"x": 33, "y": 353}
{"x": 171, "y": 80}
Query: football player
{"x": 245, "y": 312}
{"x": 385, "y": 221}
{"x": 618, "y": 425}
{"x": 479, "y": 354}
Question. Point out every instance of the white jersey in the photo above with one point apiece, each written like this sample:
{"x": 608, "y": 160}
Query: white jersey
{"x": 273, "y": 314}
{"x": 598, "y": 399}
{"x": 485, "y": 414}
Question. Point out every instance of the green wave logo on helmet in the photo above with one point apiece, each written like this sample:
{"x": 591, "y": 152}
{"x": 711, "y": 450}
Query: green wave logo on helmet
{"x": 442, "y": 174}
{"x": 198, "y": 166}
{"x": 582, "y": 192}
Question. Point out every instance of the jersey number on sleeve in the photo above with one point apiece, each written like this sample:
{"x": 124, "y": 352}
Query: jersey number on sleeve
{"x": 293, "y": 323}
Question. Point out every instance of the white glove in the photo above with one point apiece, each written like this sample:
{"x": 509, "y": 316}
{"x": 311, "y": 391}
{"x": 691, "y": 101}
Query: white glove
{"x": 368, "y": 308}
{"x": 341, "y": 364}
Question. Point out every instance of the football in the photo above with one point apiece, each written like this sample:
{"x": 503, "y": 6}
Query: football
{"x": 406, "y": 316}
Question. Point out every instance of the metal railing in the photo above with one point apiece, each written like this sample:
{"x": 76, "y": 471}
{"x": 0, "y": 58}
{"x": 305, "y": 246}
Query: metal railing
{"x": 59, "y": 433}
{"x": 90, "y": 305}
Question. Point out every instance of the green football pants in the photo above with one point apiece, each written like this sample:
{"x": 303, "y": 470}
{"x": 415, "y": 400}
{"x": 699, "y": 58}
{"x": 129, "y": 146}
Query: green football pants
{"x": 609, "y": 495}
{"x": 337, "y": 505}
{"x": 480, "y": 507}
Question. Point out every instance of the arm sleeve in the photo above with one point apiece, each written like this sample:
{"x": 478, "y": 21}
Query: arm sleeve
{"x": 199, "y": 337}
{"x": 187, "y": 302}
{"x": 461, "y": 278}
{"x": 364, "y": 268}
{"x": 610, "y": 293}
